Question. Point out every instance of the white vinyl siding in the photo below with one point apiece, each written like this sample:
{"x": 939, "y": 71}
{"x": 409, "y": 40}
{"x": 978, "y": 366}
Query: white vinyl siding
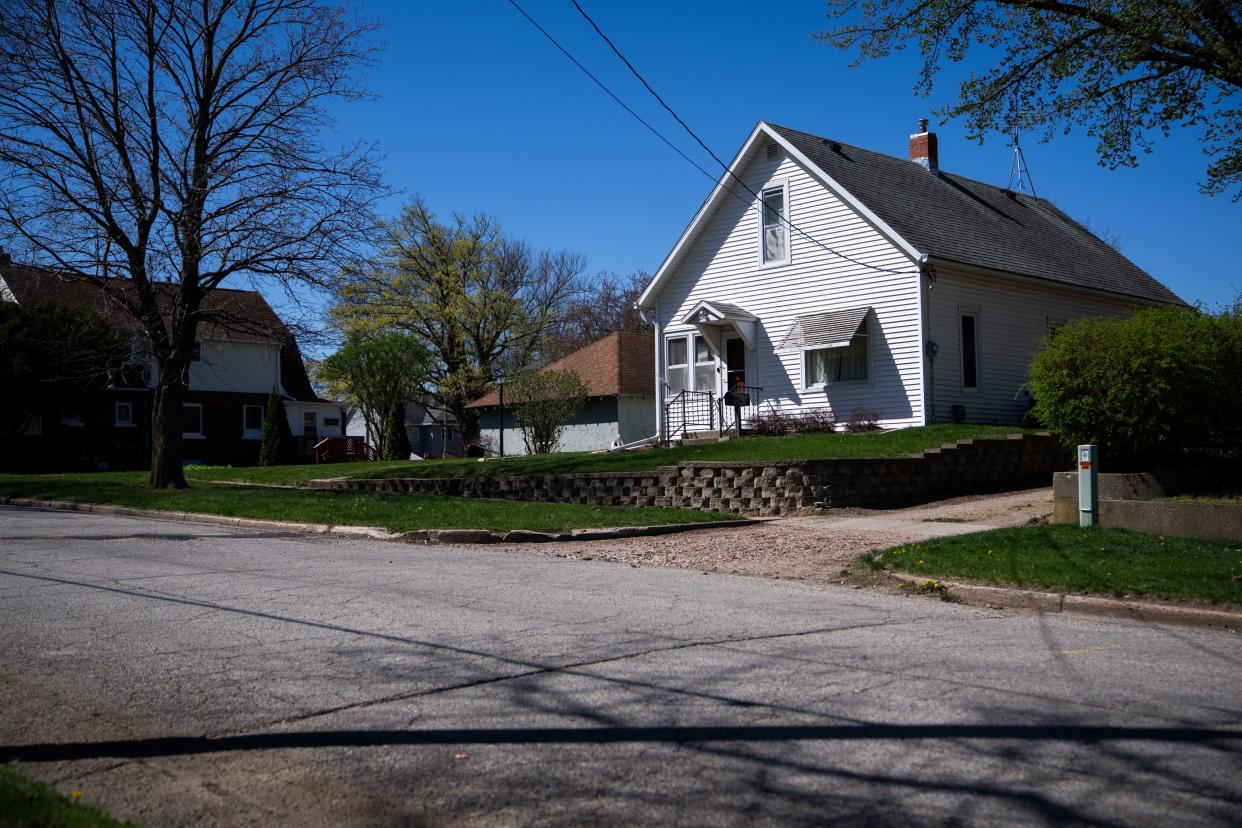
{"x": 1012, "y": 317}
{"x": 720, "y": 263}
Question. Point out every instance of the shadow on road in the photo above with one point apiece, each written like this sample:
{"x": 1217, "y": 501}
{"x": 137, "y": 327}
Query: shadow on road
{"x": 1225, "y": 741}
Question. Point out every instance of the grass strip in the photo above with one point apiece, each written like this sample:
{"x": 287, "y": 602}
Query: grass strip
{"x": 25, "y": 803}
{"x": 389, "y": 510}
{"x": 1115, "y": 562}
{"x": 746, "y": 449}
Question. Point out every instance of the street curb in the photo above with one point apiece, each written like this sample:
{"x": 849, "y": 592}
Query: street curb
{"x": 422, "y": 536}
{"x": 992, "y": 596}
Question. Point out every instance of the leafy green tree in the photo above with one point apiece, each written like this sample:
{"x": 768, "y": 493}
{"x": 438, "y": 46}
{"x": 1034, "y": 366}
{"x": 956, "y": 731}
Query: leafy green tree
{"x": 396, "y": 438}
{"x": 376, "y": 371}
{"x": 1144, "y": 388}
{"x": 277, "y": 446}
{"x": 479, "y": 300}
{"x": 1121, "y": 70}
{"x": 53, "y": 355}
{"x": 543, "y": 404}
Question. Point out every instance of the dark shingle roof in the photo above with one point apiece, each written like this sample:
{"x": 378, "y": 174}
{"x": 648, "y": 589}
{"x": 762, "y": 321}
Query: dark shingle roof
{"x": 622, "y": 363}
{"x": 958, "y": 219}
{"x": 235, "y": 315}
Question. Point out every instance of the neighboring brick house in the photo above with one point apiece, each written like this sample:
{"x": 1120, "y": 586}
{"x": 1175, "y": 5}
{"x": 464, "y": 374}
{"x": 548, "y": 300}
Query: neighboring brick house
{"x": 618, "y": 372}
{"x": 244, "y": 350}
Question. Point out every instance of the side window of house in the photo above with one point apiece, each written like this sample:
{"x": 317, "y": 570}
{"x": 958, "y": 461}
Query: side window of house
{"x": 124, "y": 413}
{"x": 775, "y": 232}
{"x": 252, "y": 422}
{"x": 192, "y": 420}
{"x": 970, "y": 351}
{"x": 824, "y": 366}
{"x": 704, "y": 366}
{"x": 677, "y": 373}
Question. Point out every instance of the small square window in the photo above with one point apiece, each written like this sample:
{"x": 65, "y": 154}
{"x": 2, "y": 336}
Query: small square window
{"x": 124, "y": 413}
{"x": 192, "y": 420}
{"x": 252, "y": 421}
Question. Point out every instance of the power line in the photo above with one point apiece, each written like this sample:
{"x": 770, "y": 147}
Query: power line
{"x": 608, "y": 91}
{"x": 757, "y": 206}
{"x": 708, "y": 149}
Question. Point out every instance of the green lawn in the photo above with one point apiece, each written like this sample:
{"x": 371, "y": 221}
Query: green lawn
{"x": 25, "y": 803}
{"x": 1102, "y": 561}
{"x": 393, "y": 511}
{"x": 798, "y": 447}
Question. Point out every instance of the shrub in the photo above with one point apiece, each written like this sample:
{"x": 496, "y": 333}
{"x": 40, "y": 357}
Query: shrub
{"x": 863, "y": 420}
{"x": 772, "y": 423}
{"x": 817, "y": 420}
{"x": 1143, "y": 388}
{"x": 396, "y": 438}
{"x": 543, "y": 403}
{"x": 277, "y": 445}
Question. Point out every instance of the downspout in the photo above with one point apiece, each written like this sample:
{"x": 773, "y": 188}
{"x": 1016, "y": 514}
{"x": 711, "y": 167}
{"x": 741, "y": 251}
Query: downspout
{"x": 659, "y": 353}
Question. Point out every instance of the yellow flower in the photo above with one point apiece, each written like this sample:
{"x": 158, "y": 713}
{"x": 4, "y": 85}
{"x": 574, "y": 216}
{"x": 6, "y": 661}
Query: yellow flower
{"x": 75, "y": 794}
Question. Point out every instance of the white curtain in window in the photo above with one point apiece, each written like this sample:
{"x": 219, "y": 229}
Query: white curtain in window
{"x": 827, "y": 365}
{"x": 704, "y": 366}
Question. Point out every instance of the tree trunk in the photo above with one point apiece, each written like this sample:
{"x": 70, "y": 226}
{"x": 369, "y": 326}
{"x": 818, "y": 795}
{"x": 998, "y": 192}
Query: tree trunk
{"x": 167, "y": 471}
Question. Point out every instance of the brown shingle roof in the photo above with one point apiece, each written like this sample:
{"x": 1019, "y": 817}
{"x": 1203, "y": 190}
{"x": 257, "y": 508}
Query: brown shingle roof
{"x": 622, "y": 363}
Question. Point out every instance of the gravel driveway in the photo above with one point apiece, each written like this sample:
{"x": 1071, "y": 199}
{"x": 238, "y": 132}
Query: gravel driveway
{"x": 809, "y": 548}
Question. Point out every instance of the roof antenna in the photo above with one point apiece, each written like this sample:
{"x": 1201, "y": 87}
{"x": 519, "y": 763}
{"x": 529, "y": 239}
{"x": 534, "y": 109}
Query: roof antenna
{"x": 1019, "y": 171}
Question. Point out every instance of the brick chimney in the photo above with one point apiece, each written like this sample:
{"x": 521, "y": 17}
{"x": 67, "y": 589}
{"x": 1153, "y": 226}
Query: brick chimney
{"x": 923, "y": 147}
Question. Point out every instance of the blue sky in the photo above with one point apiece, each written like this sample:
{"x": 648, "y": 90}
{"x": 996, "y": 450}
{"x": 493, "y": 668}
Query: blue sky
{"x": 478, "y": 112}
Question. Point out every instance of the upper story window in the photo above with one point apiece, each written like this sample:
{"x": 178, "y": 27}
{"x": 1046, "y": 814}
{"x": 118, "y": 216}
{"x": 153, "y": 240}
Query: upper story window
{"x": 774, "y": 241}
{"x": 124, "y": 413}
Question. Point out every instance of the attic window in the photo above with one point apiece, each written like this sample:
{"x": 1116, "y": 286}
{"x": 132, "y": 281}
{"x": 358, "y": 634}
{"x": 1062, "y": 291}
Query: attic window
{"x": 774, "y": 151}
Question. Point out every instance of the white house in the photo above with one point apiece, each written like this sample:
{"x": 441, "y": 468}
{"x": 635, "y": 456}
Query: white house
{"x": 826, "y": 276}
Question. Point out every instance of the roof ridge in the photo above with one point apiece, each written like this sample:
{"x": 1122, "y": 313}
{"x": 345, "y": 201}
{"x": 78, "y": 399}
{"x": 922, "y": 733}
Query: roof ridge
{"x": 941, "y": 171}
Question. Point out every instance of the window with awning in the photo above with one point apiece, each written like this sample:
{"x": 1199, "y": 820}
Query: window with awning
{"x": 835, "y": 346}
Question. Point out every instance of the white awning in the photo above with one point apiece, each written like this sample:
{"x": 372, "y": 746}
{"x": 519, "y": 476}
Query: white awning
{"x": 833, "y": 329}
{"x": 714, "y": 315}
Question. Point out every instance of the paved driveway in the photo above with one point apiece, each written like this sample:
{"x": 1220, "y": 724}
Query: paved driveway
{"x": 191, "y": 675}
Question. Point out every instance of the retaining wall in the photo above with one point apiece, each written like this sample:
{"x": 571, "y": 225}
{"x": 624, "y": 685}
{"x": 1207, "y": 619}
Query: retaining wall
{"x": 771, "y": 488}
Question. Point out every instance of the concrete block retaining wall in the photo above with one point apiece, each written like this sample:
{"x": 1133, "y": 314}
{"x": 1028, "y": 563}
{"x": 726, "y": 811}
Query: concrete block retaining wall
{"x": 780, "y": 487}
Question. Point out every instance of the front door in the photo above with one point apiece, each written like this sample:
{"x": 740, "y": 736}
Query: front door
{"x": 735, "y": 364}
{"x": 310, "y": 426}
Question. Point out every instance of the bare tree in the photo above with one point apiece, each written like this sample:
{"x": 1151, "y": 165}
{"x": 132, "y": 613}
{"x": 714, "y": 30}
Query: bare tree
{"x": 176, "y": 144}
{"x": 604, "y": 305}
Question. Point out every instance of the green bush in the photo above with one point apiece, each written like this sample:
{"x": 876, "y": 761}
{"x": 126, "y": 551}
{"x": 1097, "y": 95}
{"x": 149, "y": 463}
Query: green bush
{"x": 277, "y": 446}
{"x": 396, "y": 438}
{"x": 1144, "y": 388}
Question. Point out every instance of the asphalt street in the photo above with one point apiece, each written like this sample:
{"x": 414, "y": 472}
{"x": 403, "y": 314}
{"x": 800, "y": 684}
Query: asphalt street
{"x": 194, "y": 675}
